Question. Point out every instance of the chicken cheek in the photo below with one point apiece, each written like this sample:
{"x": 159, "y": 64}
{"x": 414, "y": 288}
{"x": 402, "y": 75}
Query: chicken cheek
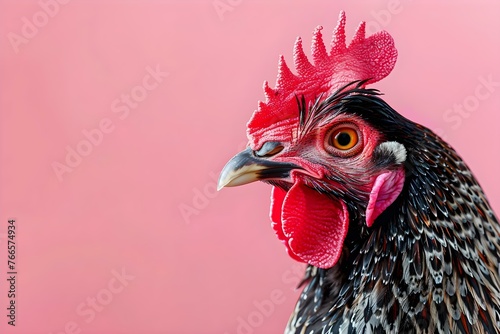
{"x": 312, "y": 226}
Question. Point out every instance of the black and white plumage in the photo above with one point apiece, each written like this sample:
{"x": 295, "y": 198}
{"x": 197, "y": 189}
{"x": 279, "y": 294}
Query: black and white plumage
{"x": 430, "y": 264}
{"x": 397, "y": 232}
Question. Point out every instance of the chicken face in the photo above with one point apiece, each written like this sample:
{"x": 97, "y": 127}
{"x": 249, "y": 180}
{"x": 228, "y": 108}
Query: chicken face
{"x": 324, "y": 152}
{"x": 320, "y": 163}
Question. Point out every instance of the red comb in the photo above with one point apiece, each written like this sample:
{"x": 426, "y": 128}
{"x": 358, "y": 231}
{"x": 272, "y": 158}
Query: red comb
{"x": 370, "y": 59}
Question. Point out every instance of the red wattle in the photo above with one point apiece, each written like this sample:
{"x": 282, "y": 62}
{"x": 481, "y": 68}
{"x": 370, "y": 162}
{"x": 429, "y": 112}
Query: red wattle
{"x": 312, "y": 226}
{"x": 277, "y": 199}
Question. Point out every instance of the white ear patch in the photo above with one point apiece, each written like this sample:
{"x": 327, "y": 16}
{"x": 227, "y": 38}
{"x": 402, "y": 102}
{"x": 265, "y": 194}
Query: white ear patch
{"x": 397, "y": 150}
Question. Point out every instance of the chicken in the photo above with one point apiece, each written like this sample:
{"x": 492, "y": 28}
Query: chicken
{"x": 396, "y": 231}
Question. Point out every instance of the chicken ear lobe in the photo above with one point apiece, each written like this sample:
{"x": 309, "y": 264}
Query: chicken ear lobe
{"x": 385, "y": 190}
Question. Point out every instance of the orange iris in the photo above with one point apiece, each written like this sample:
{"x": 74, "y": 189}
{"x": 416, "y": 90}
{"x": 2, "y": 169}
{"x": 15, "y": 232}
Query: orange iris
{"x": 344, "y": 138}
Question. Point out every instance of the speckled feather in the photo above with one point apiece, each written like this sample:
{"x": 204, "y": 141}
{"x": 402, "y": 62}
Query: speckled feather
{"x": 429, "y": 264}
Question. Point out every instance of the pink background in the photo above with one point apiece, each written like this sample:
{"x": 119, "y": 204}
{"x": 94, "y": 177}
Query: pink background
{"x": 219, "y": 268}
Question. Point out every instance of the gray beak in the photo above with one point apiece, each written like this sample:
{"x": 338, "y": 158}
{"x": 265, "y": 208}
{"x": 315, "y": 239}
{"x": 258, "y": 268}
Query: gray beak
{"x": 246, "y": 167}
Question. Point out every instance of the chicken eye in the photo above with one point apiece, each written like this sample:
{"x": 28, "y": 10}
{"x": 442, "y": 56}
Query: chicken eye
{"x": 344, "y": 138}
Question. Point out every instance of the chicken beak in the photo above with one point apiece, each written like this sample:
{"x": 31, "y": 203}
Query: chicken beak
{"x": 245, "y": 167}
